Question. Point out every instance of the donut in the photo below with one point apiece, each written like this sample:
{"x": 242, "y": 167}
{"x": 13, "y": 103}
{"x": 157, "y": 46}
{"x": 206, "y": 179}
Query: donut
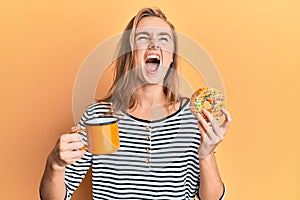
{"x": 209, "y": 98}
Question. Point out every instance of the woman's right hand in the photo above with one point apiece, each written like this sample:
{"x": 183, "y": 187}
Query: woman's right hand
{"x": 67, "y": 150}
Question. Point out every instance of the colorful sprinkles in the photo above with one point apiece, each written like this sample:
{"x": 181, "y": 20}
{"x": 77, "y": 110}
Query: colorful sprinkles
{"x": 209, "y": 98}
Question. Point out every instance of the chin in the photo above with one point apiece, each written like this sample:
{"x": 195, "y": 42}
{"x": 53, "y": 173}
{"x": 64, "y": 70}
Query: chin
{"x": 153, "y": 78}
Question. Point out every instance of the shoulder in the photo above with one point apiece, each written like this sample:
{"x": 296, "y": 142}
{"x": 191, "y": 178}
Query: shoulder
{"x": 94, "y": 110}
{"x": 99, "y": 105}
{"x": 97, "y": 108}
{"x": 185, "y": 105}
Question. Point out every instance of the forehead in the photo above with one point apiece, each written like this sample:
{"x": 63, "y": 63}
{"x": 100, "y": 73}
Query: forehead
{"x": 154, "y": 24}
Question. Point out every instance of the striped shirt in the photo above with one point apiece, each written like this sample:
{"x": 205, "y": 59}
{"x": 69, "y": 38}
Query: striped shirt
{"x": 156, "y": 159}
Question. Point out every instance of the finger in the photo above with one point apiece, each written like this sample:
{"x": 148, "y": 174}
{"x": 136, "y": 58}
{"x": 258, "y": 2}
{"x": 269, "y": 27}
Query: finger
{"x": 228, "y": 119}
{"x": 72, "y": 146}
{"x": 208, "y": 115}
{"x": 77, "y": 154}
{"x": 206, "y": 137}
{"x": 214, "y": 124}
{"x": 77, "y": 129}
{"x": 69, "y": 138}
{"x": 203, "y": 122}
{"x": 206, "y": 133}
{"x": 73, "y": 129}
{"x": 72, "y": 156}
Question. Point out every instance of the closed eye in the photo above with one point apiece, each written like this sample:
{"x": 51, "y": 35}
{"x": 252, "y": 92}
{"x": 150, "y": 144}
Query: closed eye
{"x": 165, "y": 39}
{"x": 142, "y": 38}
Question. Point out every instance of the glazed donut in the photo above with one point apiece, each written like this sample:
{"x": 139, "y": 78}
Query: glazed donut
{"x": 208, "y": 98}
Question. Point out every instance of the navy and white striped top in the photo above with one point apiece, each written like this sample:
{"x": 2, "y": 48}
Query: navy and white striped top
{"x": 156, "y": 160}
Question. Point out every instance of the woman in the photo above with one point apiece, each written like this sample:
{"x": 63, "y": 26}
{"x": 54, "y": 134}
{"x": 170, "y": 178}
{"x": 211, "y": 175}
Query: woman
{"x": 164, "y": 148}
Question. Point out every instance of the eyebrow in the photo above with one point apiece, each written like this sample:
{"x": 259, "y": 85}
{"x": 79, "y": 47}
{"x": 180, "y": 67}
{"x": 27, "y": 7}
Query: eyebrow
{"x": 164, "y": 34}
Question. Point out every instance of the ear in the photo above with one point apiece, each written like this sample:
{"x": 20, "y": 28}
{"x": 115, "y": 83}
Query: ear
{"x": 171, "y": 64}
{"x": 172, "y": 60}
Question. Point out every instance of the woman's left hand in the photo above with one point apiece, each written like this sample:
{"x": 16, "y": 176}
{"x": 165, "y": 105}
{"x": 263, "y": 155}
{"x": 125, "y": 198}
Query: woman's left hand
{"x": 211, "y": 132}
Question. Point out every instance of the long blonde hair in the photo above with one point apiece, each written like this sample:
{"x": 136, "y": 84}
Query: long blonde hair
{"x": 121, "y": 93}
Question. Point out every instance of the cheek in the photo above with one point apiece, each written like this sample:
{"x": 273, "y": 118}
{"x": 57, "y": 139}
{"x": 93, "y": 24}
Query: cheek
{"x": 138, "y": 57}
{"x": 167, "y": 59}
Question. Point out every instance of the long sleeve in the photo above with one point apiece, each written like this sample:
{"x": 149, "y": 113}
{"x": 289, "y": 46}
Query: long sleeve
{"x": 75, "y": 172}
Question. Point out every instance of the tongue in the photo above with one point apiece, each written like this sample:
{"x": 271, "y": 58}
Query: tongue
{"x": 152, "y": 67}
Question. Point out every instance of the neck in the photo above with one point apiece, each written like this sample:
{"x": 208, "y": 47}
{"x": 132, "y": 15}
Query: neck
{"x": 150, "y": 95}
{"x": 152, "y": 103}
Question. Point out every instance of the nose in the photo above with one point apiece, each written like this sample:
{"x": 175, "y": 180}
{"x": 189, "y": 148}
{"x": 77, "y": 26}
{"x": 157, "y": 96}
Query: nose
{"x": 153, "y": 45}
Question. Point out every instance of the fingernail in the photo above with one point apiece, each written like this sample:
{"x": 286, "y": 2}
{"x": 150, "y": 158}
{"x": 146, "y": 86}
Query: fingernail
{"x": 198, "y": 115}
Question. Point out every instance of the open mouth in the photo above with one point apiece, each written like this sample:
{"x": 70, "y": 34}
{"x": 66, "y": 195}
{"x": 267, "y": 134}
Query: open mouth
{"x": 152, "y": 63}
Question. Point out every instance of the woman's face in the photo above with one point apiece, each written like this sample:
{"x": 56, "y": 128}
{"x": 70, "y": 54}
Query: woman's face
{"x": 154, "y": 47}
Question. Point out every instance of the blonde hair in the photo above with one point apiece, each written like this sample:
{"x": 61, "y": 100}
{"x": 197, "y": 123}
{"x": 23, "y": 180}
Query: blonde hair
{"x": 121, "y": 92}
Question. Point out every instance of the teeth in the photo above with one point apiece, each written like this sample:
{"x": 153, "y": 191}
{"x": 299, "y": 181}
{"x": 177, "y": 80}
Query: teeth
{"x": 153, "y": 56}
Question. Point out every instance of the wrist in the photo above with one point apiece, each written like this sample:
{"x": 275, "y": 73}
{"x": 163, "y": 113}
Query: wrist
{"x": 53, "y": 165}
{"x": 209, "y": 157}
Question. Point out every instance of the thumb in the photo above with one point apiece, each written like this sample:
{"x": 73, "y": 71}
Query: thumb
{"x": 75, "y": 129}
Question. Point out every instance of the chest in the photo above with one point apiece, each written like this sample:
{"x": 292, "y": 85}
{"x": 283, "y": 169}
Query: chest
{"x": 146, "y": 146}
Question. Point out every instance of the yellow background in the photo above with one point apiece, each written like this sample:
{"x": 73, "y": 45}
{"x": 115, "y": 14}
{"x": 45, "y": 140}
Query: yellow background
{"x": 255, "y": 45}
